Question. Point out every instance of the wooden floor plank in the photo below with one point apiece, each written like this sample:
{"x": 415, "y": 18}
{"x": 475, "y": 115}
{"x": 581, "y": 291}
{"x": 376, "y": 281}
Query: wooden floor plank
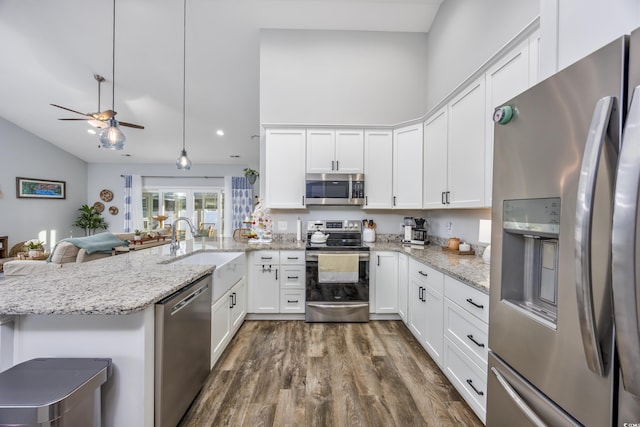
{"x": 292, "y": 373}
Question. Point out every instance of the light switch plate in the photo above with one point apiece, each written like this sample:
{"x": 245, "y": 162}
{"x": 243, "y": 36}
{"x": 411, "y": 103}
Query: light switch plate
{"x": 282, "y": 225}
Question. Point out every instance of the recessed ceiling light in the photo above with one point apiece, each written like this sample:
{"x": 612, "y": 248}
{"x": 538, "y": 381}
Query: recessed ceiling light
{"x": 220, "y": 132}
{"x": 91, "y": 131}
{"x": 235, "y": 156}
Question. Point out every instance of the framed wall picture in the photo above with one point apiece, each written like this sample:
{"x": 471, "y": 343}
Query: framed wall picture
{"x": 32, "y": 188}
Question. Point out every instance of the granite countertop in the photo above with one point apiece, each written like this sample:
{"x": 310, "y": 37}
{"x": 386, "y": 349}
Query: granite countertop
{"x": 469, "y": 269}
{"x": 132, "y": 281}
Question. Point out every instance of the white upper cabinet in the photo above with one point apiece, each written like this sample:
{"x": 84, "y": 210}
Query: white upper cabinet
{"x": 512, "y": 75}
{"x": 335, "y": 151}
{"x": 285, "y": 168}
{"x": 407, "y": 167}
{"x": 378, "y": 169}
{"x": 435, "y": 160}
{"x": 466, "y": 147}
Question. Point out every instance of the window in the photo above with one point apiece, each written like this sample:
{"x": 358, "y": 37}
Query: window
{"x": 205, "y": 208}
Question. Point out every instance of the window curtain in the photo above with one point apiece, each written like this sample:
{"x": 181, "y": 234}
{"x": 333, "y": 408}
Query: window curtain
{"x": 241, "y": 200}
{"x": 132, "y": 203}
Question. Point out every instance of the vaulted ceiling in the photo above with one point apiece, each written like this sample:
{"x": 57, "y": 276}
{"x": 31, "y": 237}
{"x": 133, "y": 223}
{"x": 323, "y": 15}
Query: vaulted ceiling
{"x": 50, "y": 51}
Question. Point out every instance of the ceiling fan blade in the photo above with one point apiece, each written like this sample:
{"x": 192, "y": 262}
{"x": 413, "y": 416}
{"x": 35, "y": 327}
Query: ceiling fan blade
{"x": 130, "y": 125}
{"x": 69, "y": 109}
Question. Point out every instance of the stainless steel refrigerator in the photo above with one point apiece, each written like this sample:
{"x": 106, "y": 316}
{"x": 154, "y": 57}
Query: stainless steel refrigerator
{"x": 563, "y": 325}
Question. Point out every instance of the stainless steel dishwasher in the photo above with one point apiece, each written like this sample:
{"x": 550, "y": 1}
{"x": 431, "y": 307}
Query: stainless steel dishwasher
{"x": 182, "y": 350}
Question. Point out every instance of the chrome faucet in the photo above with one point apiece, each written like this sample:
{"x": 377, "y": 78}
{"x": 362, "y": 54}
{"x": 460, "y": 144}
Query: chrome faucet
{"x": 175, "y": 245}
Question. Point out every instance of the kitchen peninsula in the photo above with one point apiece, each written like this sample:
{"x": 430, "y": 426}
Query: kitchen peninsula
{"x": 105, "y": 308}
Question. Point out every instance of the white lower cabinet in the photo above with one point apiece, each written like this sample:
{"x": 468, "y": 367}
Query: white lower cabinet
{"x": 384, "y": 266}
{"x": 467, "y": 342}
{"x": 227, "y": 314}
{"x": 426, "y": 306}
{"x": 403, "y": 287}
{"x": 277, "y": 282}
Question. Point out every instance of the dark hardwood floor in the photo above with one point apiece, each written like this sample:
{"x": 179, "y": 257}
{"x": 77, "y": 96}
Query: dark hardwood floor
{"x": 292, "y": 373}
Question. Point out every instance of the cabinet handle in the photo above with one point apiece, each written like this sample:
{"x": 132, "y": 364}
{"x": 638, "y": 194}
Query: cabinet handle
{"x": 366, "y": 200}
{"x": 394, "y": 200}
{"x": 479, "y": 344}
{"x": 378, "y": 259}
{"x": 276, "y": 274}
{"x": 234, "y": 299}
{"x": 424, "y": 274}
{"x": 479, "y": 393}
{"x": 448, "y": 194}
{"x": 266, "y": 257}
{"x": 293, "y": 277}
{"x": 470, "y": 301}
{"x": 302, "y": 200}
{"x": 337, "y": 165}
{"x": 230, "y": 301}
{"x": 332, "y": 165}
{"x": 420, "y": 293}
{"x": 292, "y": 257}
{"x": 295, "y": 301}
{"x": 442, "y": 198}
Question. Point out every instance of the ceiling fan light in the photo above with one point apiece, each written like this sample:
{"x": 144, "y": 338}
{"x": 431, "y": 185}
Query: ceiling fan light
{"x": 183, "y": 162}
{"x": 112, "y": 137}
{"x": 99, "y": 124}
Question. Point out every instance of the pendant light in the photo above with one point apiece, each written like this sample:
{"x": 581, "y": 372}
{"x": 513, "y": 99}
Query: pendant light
{"x": 112, "y": 137}
{"x": 183, "y": 162}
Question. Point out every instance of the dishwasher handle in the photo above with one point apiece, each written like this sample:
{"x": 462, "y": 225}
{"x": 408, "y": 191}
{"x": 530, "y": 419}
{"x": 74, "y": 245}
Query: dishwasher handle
{"x": 188, "y": 299}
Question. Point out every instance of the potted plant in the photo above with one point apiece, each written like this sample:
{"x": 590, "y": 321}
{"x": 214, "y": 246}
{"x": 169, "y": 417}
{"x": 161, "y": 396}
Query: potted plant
{"x": 34, "y": 248}
{"x": 90, "y": 220}
{"x": 251, "y": 175}
{"x": 137, "y": 235}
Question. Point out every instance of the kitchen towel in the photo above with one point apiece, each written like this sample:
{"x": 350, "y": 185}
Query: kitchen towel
{"x": 338, "y": 268}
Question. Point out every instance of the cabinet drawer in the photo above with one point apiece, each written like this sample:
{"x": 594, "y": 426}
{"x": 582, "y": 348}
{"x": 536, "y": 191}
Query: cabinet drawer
{"x": 292, "y": 277}
{"x": 292, "y": 301}
{"x": 472, "y": 300}
{"x": 468, "y": 332}
{"x": 426, "y": 275}
{"x": 292, "y": 257}
{"x": 468, "y": 379}
{"x": 266, "y": 257}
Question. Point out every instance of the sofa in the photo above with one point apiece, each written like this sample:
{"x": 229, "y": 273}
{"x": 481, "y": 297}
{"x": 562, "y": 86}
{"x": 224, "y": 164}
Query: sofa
{"x": 78, "y": 250}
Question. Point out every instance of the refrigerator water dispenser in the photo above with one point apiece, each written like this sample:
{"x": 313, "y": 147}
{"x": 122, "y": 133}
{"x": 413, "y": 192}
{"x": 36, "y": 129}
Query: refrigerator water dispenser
{"x": 530, "y": 257}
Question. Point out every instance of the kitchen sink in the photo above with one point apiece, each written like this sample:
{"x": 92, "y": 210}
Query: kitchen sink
{"x": 230, "y": 267}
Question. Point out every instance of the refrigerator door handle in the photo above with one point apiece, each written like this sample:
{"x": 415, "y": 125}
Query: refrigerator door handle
{"x": 515, "y": 397}
{"x": 584, "y": 215}
{"x": 623, "y": 249}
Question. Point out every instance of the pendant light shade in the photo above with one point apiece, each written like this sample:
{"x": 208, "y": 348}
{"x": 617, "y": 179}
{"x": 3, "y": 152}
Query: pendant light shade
{"x": 183, "y": 161}
{"x": 112, "y": 137}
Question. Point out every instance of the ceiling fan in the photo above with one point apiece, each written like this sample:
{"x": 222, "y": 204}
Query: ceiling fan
{"x": 99, "y": 119}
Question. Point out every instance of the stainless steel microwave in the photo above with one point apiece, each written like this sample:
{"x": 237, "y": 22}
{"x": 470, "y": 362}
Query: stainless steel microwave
{"x": 335, "y": 189}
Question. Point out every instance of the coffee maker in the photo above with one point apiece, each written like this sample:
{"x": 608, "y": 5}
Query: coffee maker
{"x": 415, "y": 231}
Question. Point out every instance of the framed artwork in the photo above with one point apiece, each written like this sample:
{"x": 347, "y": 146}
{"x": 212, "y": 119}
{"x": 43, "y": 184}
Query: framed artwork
{"x": 31, "y": 188}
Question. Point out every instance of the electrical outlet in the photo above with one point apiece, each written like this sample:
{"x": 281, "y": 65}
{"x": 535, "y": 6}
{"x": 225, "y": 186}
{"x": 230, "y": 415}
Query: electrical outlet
{"x": 282, "y": 225}
{"x": 402, "y": 227}
{"x": 449, "y": 227}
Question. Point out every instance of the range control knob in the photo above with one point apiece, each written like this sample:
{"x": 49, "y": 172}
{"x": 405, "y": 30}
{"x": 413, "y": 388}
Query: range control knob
{"x": 503, "y": 115}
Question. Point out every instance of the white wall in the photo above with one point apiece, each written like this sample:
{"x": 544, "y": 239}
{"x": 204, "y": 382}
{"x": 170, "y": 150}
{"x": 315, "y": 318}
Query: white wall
{"x": 108, "y": 176}
{"x": 341, "y": 77}
{"x": 586, "y": 25}
{"x": 464, "y": 34}
{"x": 26, "y": 155}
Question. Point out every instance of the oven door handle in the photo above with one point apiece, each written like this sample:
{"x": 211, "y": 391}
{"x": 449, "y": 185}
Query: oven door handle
{"x": 362, "y": 256}
{"x": 313, "y": 304}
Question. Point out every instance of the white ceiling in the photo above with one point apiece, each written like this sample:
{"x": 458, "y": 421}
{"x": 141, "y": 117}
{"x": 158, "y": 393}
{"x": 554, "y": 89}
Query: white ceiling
{"x": 50, "y": 51}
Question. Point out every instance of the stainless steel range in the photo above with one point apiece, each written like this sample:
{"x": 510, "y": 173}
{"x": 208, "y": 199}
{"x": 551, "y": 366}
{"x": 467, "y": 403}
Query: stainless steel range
{"x": 337, "y": 272}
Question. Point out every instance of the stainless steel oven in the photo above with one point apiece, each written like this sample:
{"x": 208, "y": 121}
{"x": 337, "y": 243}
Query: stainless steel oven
{"x": 344, "y": 295}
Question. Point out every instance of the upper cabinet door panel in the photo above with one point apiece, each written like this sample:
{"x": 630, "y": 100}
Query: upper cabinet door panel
{"x": 321, "y": 147}
{"x": 435, "y": 160}
{"x": 466, "y": 149}
{"x": 407, "y": 167}
{"x": 349, "y": 151}
{"x": 378, "y": 169}
{"x": 285, "y": 168}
